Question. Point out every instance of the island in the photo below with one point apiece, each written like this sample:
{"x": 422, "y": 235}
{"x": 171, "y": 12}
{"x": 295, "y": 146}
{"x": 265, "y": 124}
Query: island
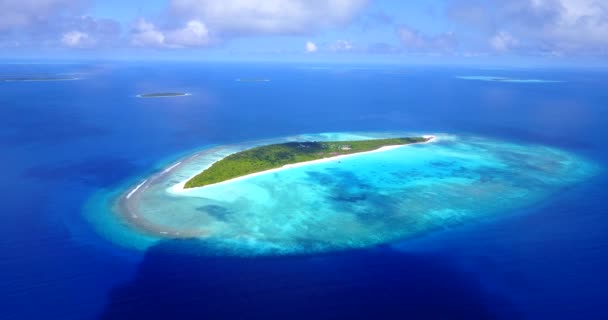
{"x": 39, "y": 79}
{"x": 252, "y": 80}
{"x": 275, "y": 156}
{"x": 162, "y": 95}
{"x": 344, "y": 202}
{"x": 505, "y": 79}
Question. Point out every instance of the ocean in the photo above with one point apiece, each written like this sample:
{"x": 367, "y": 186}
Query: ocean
{"x": 69, "y": 146}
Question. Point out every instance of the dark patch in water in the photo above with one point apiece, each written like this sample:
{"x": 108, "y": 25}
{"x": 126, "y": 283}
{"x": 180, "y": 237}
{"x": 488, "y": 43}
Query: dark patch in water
{"x": 320, "y": 178}
{"x": 349, "y": 198}
{"x": 367, "y": 284}
{"x": 344, "y": 186}
{"x": 346, "y": 191}
{"x": 218, "y": 212}
{"x": 441, "y": 164}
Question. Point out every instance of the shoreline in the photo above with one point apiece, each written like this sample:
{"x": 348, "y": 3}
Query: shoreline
{"x": 179, "y": 187}
{"x": 138, "y": 210}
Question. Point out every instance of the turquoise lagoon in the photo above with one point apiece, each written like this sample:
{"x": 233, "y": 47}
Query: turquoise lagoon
{"x": 354, "y": 202}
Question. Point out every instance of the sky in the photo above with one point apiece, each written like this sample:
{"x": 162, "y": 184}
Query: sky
{"x": 433, "y": 31}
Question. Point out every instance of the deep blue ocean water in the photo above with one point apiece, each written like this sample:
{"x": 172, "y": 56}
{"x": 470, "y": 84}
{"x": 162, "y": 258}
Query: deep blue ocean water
{"x": 63, "y": 142}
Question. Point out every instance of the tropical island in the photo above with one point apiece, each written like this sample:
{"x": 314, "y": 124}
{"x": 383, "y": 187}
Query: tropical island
{"x": 252, "y": 80}
{"x": 38, "y": 79}
{"x": 162, "y": 94}
{"x": 275, "y": 156}
{"x": 505, "y": 79}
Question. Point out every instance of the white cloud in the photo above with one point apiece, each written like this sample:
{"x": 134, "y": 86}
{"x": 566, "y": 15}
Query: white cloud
{"x": 28, "y": 13}
{"x": 311, "y": 47}
{"x": 580, "y": 24}
{"x": 413, "y": 40}
{"x": 538, "y": 26}
{"x": 146, "y": 34}
{"x": 503, "y": 41}
{"x": 341, "y": 45}
{"x": 242, "y": 17}
{"x": 193, "y": 34}
{"x": 37, "y": 23}
{"x": 77, "y": 39}
{"x": 210, "y": 21}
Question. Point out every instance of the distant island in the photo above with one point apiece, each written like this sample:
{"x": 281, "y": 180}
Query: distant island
{"x": 275, "y": 156}
{"x": 162, "y": 94}
{"x": 38, "y": 79}
{"x": 505, "y": 79}
{"x": 252, "y": 80}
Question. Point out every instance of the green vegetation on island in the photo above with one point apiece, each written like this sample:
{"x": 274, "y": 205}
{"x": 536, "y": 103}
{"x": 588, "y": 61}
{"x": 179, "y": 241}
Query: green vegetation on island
{"x": 162, "y": 94}
{"x": 277, "y": 155}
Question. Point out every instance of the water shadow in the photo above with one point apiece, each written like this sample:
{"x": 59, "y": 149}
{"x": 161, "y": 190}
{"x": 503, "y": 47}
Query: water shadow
{"x": 367, "y": 284}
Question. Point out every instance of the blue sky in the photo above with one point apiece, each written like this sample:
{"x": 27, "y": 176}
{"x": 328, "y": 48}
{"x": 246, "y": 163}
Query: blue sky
{"x": 435, "y": 31}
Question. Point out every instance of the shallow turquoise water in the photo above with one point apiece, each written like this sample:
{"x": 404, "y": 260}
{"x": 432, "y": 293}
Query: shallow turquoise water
{"x": 356, "y": 202}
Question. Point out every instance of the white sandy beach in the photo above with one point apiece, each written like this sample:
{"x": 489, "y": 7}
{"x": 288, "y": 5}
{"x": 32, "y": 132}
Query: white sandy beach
{"x": 136, "y": 188}
{"x": 179, "y": 188}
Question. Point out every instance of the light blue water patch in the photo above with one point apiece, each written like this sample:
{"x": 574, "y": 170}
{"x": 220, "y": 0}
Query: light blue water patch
{"x": 353, "y": 202}
{"x": 506, "y": 79}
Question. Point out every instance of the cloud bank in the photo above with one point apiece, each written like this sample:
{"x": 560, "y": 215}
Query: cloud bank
{"x": 52, "y": 23}
{"x": 197, "y": 23}
{"x": 25, "y": 14}
{"x": 243, "y": 17}
{"x": 543, "y": 26}
{"x": 569, "y": 28}
{"x": 413, "y": 40}
{"x": 193, "y": 34}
